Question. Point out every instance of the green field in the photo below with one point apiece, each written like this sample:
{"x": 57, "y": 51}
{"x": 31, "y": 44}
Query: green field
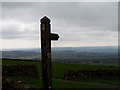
{"x": 58, "y": 70}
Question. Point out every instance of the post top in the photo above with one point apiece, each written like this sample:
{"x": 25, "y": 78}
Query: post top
{"x": 45, "y": 19}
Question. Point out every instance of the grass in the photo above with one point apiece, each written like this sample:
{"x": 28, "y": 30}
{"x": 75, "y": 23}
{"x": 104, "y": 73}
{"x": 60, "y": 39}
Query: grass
{"x": 15, "y": 62}
{"x": 58, "y": 70}
{"x": 37, "y": 83}
{"x": 62, "y": 84}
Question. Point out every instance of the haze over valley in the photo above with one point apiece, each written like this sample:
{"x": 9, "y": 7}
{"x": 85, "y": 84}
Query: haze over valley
{"x": 78, "y": 55}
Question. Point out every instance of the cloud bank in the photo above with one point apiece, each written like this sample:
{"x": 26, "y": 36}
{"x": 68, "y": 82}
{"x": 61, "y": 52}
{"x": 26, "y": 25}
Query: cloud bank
{"x": 83, "y": 23}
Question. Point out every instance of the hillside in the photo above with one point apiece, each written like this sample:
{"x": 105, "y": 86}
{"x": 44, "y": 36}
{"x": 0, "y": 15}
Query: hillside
{"x": 58, "y": 72}
{"x": 81, "y": 55}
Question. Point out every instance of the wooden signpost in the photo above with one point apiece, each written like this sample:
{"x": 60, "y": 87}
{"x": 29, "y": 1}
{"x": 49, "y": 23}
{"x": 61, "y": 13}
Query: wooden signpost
{"x": 46, "y": 38}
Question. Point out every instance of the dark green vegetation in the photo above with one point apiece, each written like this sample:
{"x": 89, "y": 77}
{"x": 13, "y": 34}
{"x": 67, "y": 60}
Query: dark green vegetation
{"x": 58, "y": 71}
{"x": 20, "y": 70}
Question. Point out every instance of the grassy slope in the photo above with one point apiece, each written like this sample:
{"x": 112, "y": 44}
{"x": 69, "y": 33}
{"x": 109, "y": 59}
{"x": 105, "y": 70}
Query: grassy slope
{"x": 58, "y": 72}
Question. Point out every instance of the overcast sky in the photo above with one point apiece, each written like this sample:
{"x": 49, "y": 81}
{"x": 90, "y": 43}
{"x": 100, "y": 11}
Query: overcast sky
{"x": 77, "y": 23}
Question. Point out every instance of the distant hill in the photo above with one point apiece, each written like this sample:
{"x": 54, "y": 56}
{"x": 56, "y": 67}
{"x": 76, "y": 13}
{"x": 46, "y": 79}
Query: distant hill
{"x": 83, "y": 55}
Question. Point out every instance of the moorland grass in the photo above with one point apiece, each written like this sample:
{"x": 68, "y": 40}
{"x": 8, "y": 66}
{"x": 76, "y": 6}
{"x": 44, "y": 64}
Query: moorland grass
{"x": 58, "y": 70}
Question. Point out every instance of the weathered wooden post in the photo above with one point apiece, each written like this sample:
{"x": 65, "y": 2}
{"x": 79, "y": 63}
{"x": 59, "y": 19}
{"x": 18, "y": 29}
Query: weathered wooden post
{"x": 46, "y": 38}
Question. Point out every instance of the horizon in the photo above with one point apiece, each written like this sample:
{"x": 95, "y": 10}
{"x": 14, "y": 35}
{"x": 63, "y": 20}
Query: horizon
{"x": 55, "y": 47}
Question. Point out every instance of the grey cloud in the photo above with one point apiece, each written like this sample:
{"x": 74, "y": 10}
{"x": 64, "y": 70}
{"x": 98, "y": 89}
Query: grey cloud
{"x": 85, "y": 14}
{"x": 87, "y": 37}
{"x": 20, "y": 11}
{"x": 14, "y": 32}
{"x": 16, "y": 5}
{"x": 9, "y": 32}
{"x": 69, "y": 11}
{"x": 0, "y": 10}
{"x": 68, "y": 17}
